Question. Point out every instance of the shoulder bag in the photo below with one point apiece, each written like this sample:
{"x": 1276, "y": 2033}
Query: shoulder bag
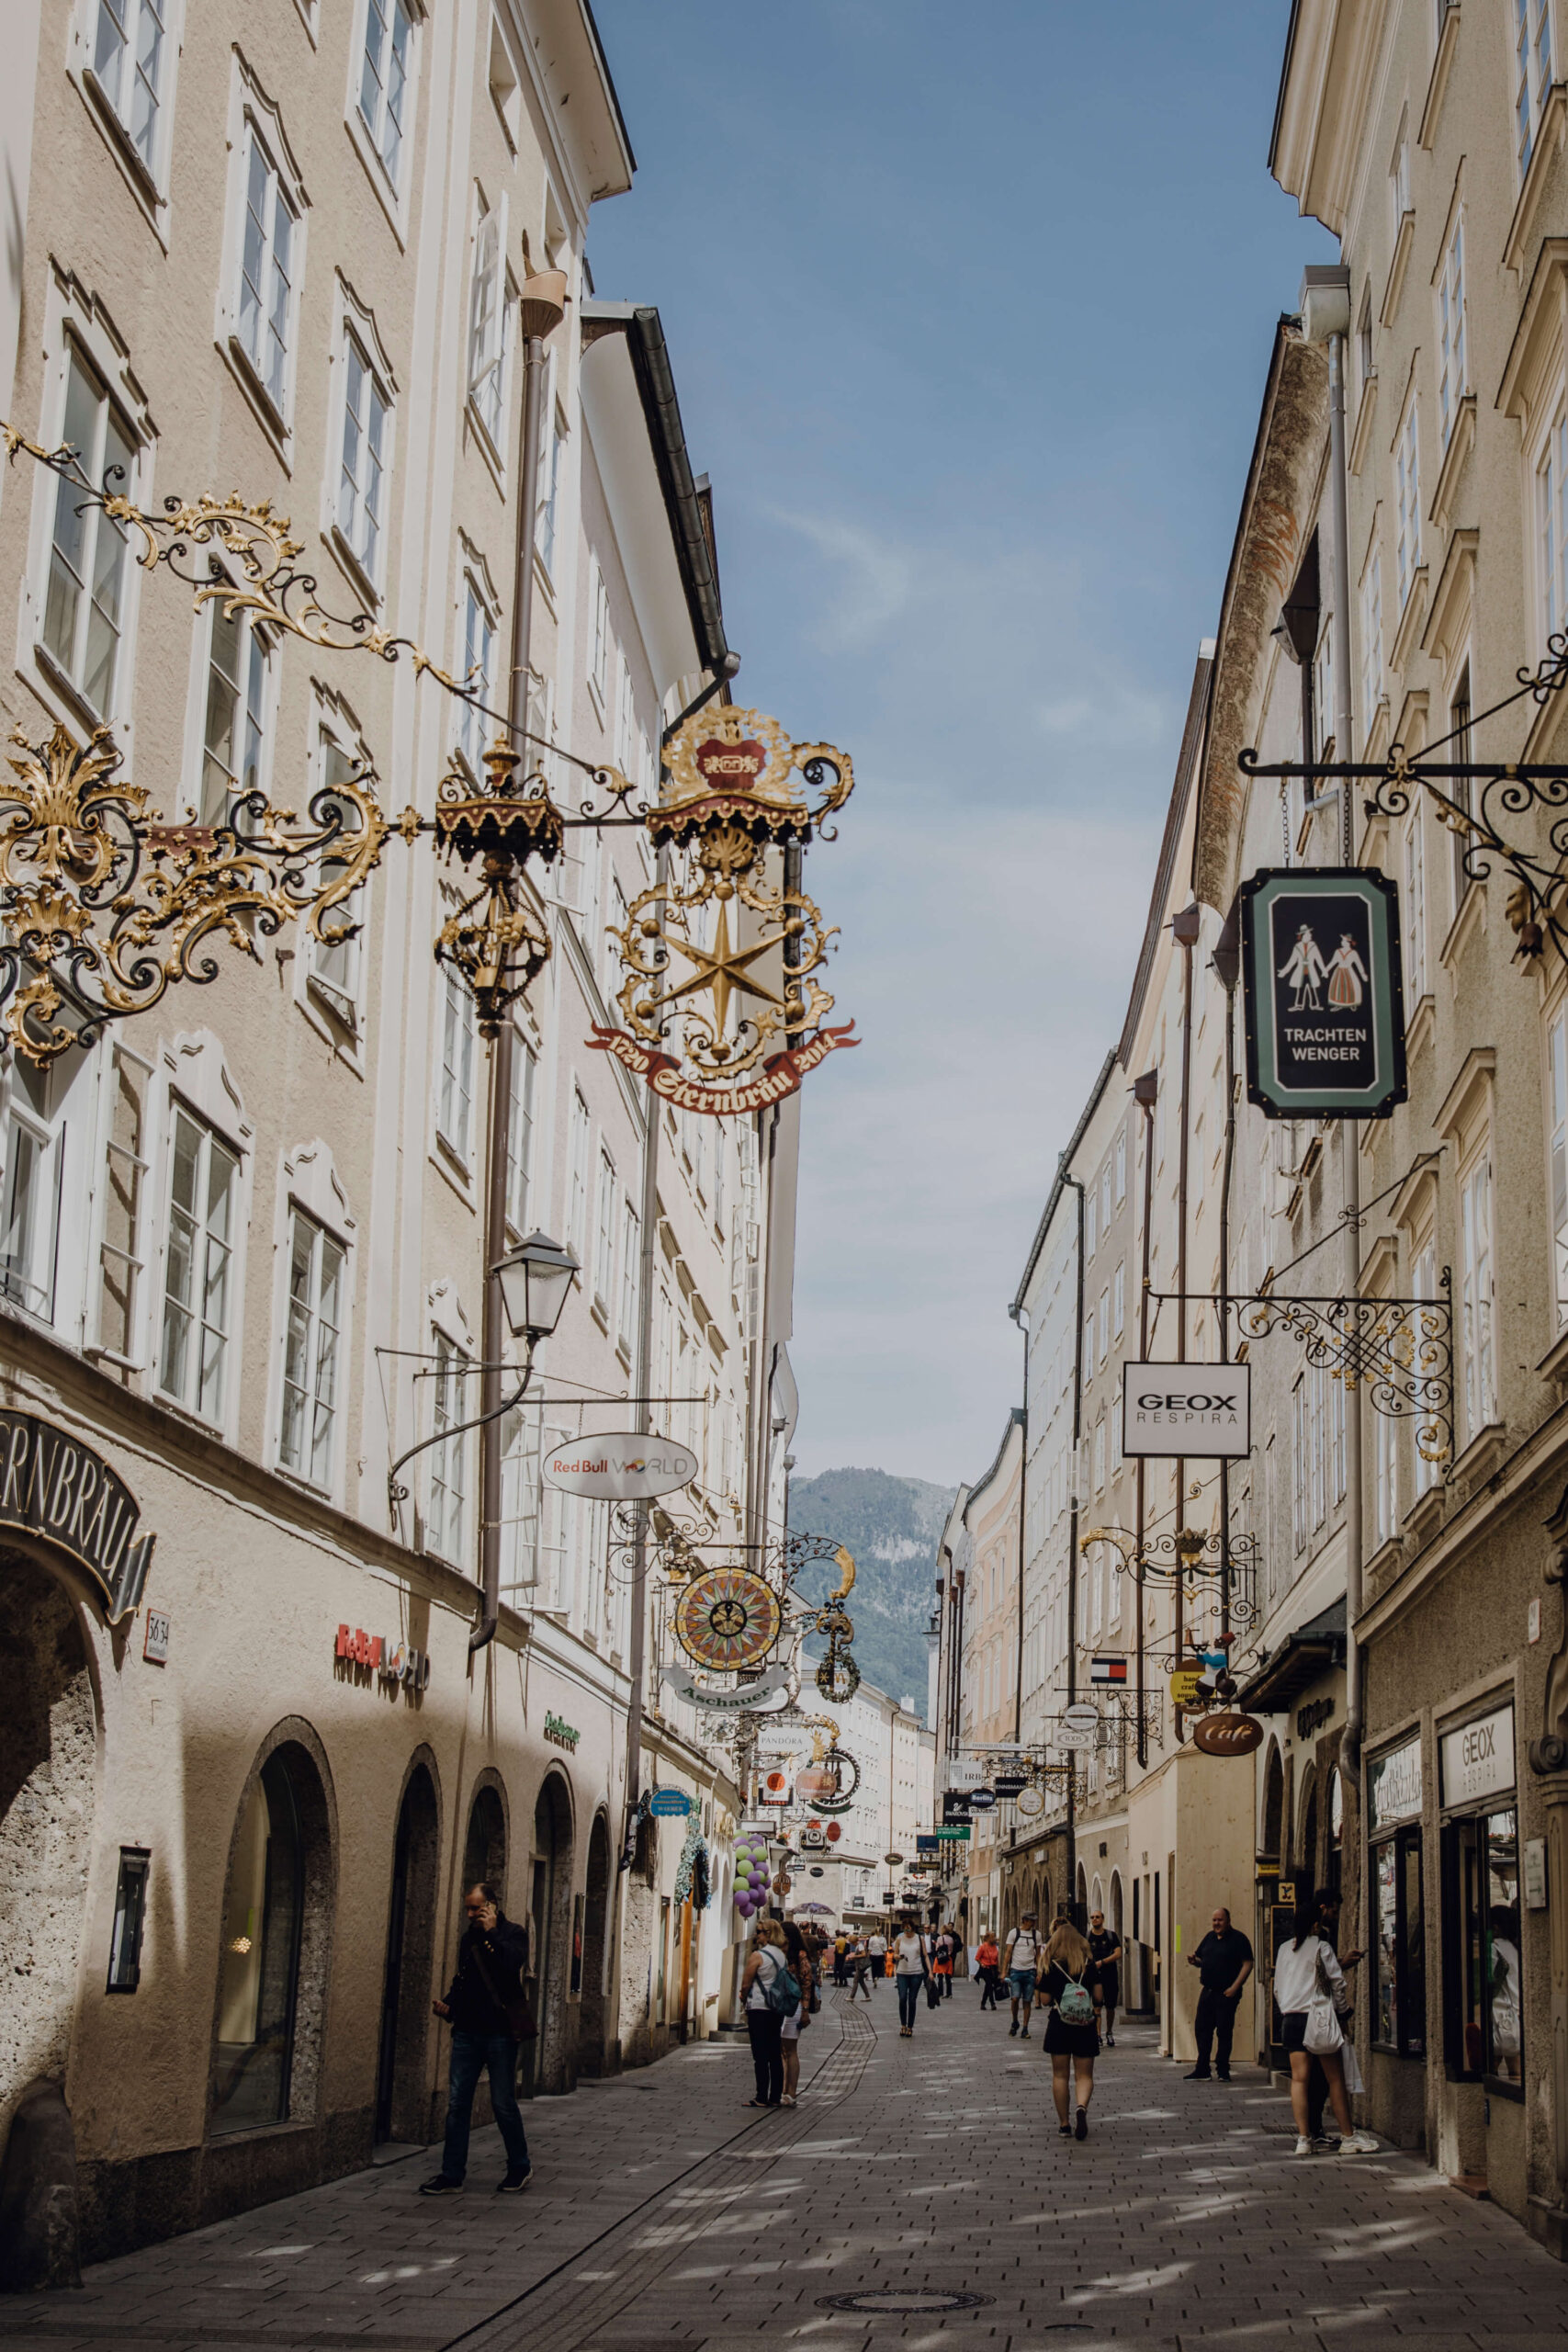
{"x": 1321, "y": 2034}
{"x": 519, "y": 2016}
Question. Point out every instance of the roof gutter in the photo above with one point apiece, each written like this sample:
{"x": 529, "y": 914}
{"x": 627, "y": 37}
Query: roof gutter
{"x": 1063, "y": 1179}
{"x": 1284, "y": 80}
{"x": 682, "y": 501}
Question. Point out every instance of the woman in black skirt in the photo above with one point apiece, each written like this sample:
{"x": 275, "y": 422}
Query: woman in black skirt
{"x": 1067, "y": 1979}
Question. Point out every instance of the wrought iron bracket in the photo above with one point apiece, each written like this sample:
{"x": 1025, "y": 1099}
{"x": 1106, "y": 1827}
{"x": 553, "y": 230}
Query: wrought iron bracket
{"x": 1399, "y": 1350}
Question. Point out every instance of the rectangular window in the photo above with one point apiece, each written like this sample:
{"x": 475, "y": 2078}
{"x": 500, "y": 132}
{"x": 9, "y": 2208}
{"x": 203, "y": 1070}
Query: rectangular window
{"x": 486, "y": 330}
{"x": 34, "y": 1166}
{"x": 479, "y": 656}
{"x": 1399, "y": 2013}
{"x": 455, "y": 1096}
{"x": 384, "y": 79}
{"x": 605, "y": 1235}
{"x": 122, "y": 1251}
{"x": 1366, "y": 366}
{"x": 1477, "y": 1305}
{"x": 1415, "y": 910}
{"x": 1317, "y": 1465}
{"x": 519, "y": 1136}
{"x": 448, "y": 1458}
{"x": 361, "y": 476}
{"x": 599, "y": 640}
{"x": 1091, "y": 1224}
{"x": 1372, "y": 640}
{"x": 1452, "y": 363}
{"x": 1557, "y": 1155}
{"x": 198, "y": 1291}
{"x": 1121, "y": 1167}
{"x": 306, "y": 1444}
{"x": 1118, "y": 1302}
{"x": 235, "y": 723}
{"x": 1551, "y": 527}
{"x": 266, "y": 284}
{"x": 550, "y": 492}
{"x": 1386, "y": 1477}
{"x": 1099, "y": 1455}
{"x": 1323, "y": 691}
{"x": 334, "y": 973}
{"x": 1484, "y": 1972}
{"x": 129, "y": 1918}
{"x": 1334, "y": 1400}
{"x": 1105, "y": 1198}
{"x": 1532, "y": 74}
{"x": 577, "y": 1206}
{"x": 1399, "y": 175}
{"x": 84, "y": 610}
{"x": 1408, "y": 505}
{"x": 631, "y": 1246}
{"x": 128, "y": 61}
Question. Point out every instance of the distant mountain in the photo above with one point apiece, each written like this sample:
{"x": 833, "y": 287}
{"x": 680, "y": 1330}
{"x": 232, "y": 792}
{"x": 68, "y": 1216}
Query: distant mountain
{"x": 891, "y": 1526}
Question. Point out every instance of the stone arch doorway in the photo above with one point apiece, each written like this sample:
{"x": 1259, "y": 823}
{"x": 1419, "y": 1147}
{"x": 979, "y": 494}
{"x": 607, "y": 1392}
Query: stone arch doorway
{"x": 1307, "y": 1868}
{"x": 48, "y": 1787}
{"x": 1081, "y": 1900}
{"x": 484, "y": 1848}
{"x": 595, "y": 1925}
{"x": 275, "y": 1950}
{"x": 1269, "y": 1844}
{"x": 1116, "y": 1903}
{"x": 551, "y": 2056}
{"x": 402, "y": 2099}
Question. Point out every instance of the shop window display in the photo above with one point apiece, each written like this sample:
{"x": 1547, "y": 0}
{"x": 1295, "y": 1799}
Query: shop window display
{"x": 1399, "y": 2015}
{"x": 1485, "y": 1974}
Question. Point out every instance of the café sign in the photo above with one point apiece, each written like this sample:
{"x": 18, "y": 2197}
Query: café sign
{"x": 54, "y": 1488}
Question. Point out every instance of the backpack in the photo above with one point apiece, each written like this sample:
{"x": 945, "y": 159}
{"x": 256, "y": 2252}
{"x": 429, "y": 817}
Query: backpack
{"x": 1075, "y": 2003}
{"x": 784, "y": 1991}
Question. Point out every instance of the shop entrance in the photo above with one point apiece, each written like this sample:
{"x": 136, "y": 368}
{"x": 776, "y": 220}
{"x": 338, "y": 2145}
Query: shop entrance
{"x": 400, "y": 2100}
{"x": 545, "y": 2058}
{"x": 48, "y": 1768}
{"x": 591, "y": 2049}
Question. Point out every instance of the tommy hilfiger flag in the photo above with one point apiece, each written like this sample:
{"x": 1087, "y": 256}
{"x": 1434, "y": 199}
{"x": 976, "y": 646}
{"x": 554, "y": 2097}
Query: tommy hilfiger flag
{"x": 1108, "y": 1669}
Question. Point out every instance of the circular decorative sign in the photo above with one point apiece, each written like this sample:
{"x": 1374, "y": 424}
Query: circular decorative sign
{"x": 1030, "y": 1804}
{"x": 728, "y": 1617}
{"x": 834, "y": 1832}
{"x": 1228, "y": 1734}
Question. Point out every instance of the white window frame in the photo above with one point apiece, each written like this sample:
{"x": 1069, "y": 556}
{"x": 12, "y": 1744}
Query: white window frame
{"x": 605, "y": 1235}
{"x": 490, "y": 326}
{"x": 126, "y": 1168}
{"x": 1407, "y": 502}
{"x": 1556, "y": 1039}
{"x": 55, "y": 500}
{"x": 1373, "y": 651}
{"x": 456, "y": 1042}
{"x": 144, "y": 161}
{"x": 307, "y": 1317}
{"x": 356, "y": 325}
{"x": 553, "y": 433}
{"x": 330, "y": 984}
{"x": 581, "y": 1142}
{"x": 477, "y": 621}
{"x": 256, "y": 706}
{"x": 1119, "y": 1301}
{"x": 1549, "y": 491}
{"x": 599, "y": 636}
{"x": 631, "y": 1273}
{"x": 369, "y": 131}
{"x": 30, "y": 1280}
{"x": 1454, "y": 332}
{"x": 447, "y": 1480}
{"x": 1412, "y": 900}
{"x": 1478, "y": 1287}
{"x": 1399, "y": 175}
{"x": 191, "y": 1397}
{"x": 520, "y": 1137}
{"x": 1532, "y": 71}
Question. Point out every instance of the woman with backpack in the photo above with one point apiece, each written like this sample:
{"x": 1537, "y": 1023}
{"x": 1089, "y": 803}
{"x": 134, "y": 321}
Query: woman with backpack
{"x": 770, "y": 1993}
{"x": 1067, "y": 1979}
{"x": 1310, "y": 1987}
{"x": 795, "y": 2025}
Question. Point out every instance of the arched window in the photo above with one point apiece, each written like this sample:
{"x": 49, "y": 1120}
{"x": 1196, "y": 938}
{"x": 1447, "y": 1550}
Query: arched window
{"x": 259, "y": 1970}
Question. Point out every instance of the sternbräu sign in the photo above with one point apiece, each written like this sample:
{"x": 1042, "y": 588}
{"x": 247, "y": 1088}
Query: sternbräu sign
{"x": 1322, "y": 993}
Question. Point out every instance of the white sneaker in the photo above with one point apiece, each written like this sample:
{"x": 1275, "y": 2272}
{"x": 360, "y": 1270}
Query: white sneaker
{"x": 1360, "y": 2144}
{"x": 1304, "y": 2146}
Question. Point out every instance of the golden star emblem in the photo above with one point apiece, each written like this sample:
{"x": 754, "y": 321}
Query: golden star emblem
{"x": 724, "y": 970}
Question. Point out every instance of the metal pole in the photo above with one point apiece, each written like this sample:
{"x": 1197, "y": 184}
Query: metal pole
{"x": 1073, "y": 1555}
{"x": 1146, "y": 1091}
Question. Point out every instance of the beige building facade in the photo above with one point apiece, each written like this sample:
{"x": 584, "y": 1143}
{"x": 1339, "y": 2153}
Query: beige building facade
{"x": 278, "y": 248}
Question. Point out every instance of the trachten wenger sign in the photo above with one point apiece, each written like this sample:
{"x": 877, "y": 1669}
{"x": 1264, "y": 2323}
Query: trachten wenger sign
{"x": 1322, "y": 991}
{"x": 620, "y": 1469}
{"x": 1477, "y": 1760}
{"x": 53, "y": 1486}
{"x": 1195, "y": 1409}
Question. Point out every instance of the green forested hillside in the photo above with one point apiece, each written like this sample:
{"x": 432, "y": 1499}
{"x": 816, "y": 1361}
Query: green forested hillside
{"x": 891, "y": 1525}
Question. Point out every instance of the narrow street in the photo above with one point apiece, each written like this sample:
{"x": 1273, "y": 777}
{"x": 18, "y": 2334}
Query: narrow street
{"x": 663, "y": 2213}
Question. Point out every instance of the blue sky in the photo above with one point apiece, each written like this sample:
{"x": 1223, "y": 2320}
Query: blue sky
{"x": 969, "y": 310}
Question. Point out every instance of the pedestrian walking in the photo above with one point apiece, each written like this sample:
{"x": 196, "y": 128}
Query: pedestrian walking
{"x": 802, "y": 1960}
{"x": 770, "y": 1993}
{"x": 988, "y": 1960}
{"x": 1223, "y": 1961}
{"x": 876, "y": 1946}
{"x": 1327, "y": 1905}
{"x": 860, "y": 1956}
{"x": 909, "y": 1972}
{"x": 1106, "y": 1945}
{"x": 841, "y": 1958}
{"x": 1020, "y": 1958}
{"x": 1309, "y": 1985}
{"x": 489, "y": 2016}
{"x": 1067, "y": 1979}
{"x": 944, "y": 1964}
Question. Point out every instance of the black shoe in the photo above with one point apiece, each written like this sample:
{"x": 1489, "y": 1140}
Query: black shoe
{"x": 1080, "y": 2129}
{"x": 1066, "y": 2130}
{"x": 1223, "y": 2074}
{"x": 515, "y": 2183}
{"x": 1198, "y": 2075}
{"x": 1111, "y": 2042}
{"x": 1013, "y": 2028}
{"x": 439, "y": 2186}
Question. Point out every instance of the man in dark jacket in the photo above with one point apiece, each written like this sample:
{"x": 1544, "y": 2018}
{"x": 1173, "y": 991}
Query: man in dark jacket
{"x": 484, "y": 2002}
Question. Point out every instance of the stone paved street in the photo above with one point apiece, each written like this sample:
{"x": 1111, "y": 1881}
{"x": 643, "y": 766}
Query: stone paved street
{"x": 663, "y": 2214}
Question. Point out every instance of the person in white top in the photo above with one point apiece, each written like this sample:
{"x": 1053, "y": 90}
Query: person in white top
{"x": 1020, "y": 1963}
{"x": 764, "y": 2023}
{"x": 909, "y": 1972}
{"x": 1308, "y": 1977}
{"x": 877, "y": 1945}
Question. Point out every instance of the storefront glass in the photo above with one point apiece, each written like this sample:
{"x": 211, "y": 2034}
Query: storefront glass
{"x": 260, "y": 1960}
{"x": 1484, "y": 1886}
{"x": 1399, "y": 1955}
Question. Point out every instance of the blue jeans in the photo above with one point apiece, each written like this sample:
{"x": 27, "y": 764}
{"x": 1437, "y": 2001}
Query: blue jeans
{"x": 471, "y": 2054}
{"x": 909, "y": 1996}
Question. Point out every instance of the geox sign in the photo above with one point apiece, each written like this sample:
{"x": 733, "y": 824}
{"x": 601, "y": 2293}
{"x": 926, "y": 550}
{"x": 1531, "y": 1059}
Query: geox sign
{"x": 1198, "y": 1409}
{"x": 53, "y": 1486}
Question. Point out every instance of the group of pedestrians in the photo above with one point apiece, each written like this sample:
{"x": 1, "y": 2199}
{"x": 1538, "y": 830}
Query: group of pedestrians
{"x": 779, "y": 1991}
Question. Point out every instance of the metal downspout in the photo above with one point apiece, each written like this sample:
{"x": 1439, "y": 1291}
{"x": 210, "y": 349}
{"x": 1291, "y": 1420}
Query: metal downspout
{"x": 1073, "y": 1555}
{"x": 1145, "y": 1092}
{"x": 1185, "y": 927}
{"x": 1021, "y": 1316}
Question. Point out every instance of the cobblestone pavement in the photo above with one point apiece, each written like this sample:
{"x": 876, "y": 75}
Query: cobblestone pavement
{"x": 665, "y": 2214}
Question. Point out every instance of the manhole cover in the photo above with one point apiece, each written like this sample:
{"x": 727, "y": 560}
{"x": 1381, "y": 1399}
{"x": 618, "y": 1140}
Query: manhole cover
{"x": 904, "y": 2299}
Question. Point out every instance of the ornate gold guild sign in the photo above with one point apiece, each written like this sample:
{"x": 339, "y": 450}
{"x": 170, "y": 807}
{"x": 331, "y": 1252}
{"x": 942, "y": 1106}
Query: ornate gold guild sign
{"x": 728, "y": 1617}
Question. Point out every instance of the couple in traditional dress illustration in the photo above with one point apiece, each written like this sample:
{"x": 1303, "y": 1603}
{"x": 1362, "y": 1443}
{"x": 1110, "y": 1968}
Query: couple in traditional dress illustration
{"x": 1305, "y": 971}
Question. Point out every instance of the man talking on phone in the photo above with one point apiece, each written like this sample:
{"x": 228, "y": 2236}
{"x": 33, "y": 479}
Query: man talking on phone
{"x": 489, "y": 2016}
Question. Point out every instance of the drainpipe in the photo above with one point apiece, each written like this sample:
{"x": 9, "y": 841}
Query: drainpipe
{"x": 1073, "y": 1551}
{"x": 1145, "y": 1092}
{"x": 1021, "y": 1316}
{"x": 540, "y": 309}
{"x": 1184, "y": 927}
{"x": 1227, "y": 960}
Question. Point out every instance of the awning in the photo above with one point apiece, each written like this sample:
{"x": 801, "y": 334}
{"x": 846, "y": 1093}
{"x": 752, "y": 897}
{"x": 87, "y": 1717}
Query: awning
{"x": 1303, "y": 1659}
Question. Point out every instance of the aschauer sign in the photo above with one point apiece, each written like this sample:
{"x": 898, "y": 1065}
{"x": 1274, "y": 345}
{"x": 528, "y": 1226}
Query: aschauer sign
{"x": 1324, "y": 1004}
{"x": 1202, "y": 1410}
